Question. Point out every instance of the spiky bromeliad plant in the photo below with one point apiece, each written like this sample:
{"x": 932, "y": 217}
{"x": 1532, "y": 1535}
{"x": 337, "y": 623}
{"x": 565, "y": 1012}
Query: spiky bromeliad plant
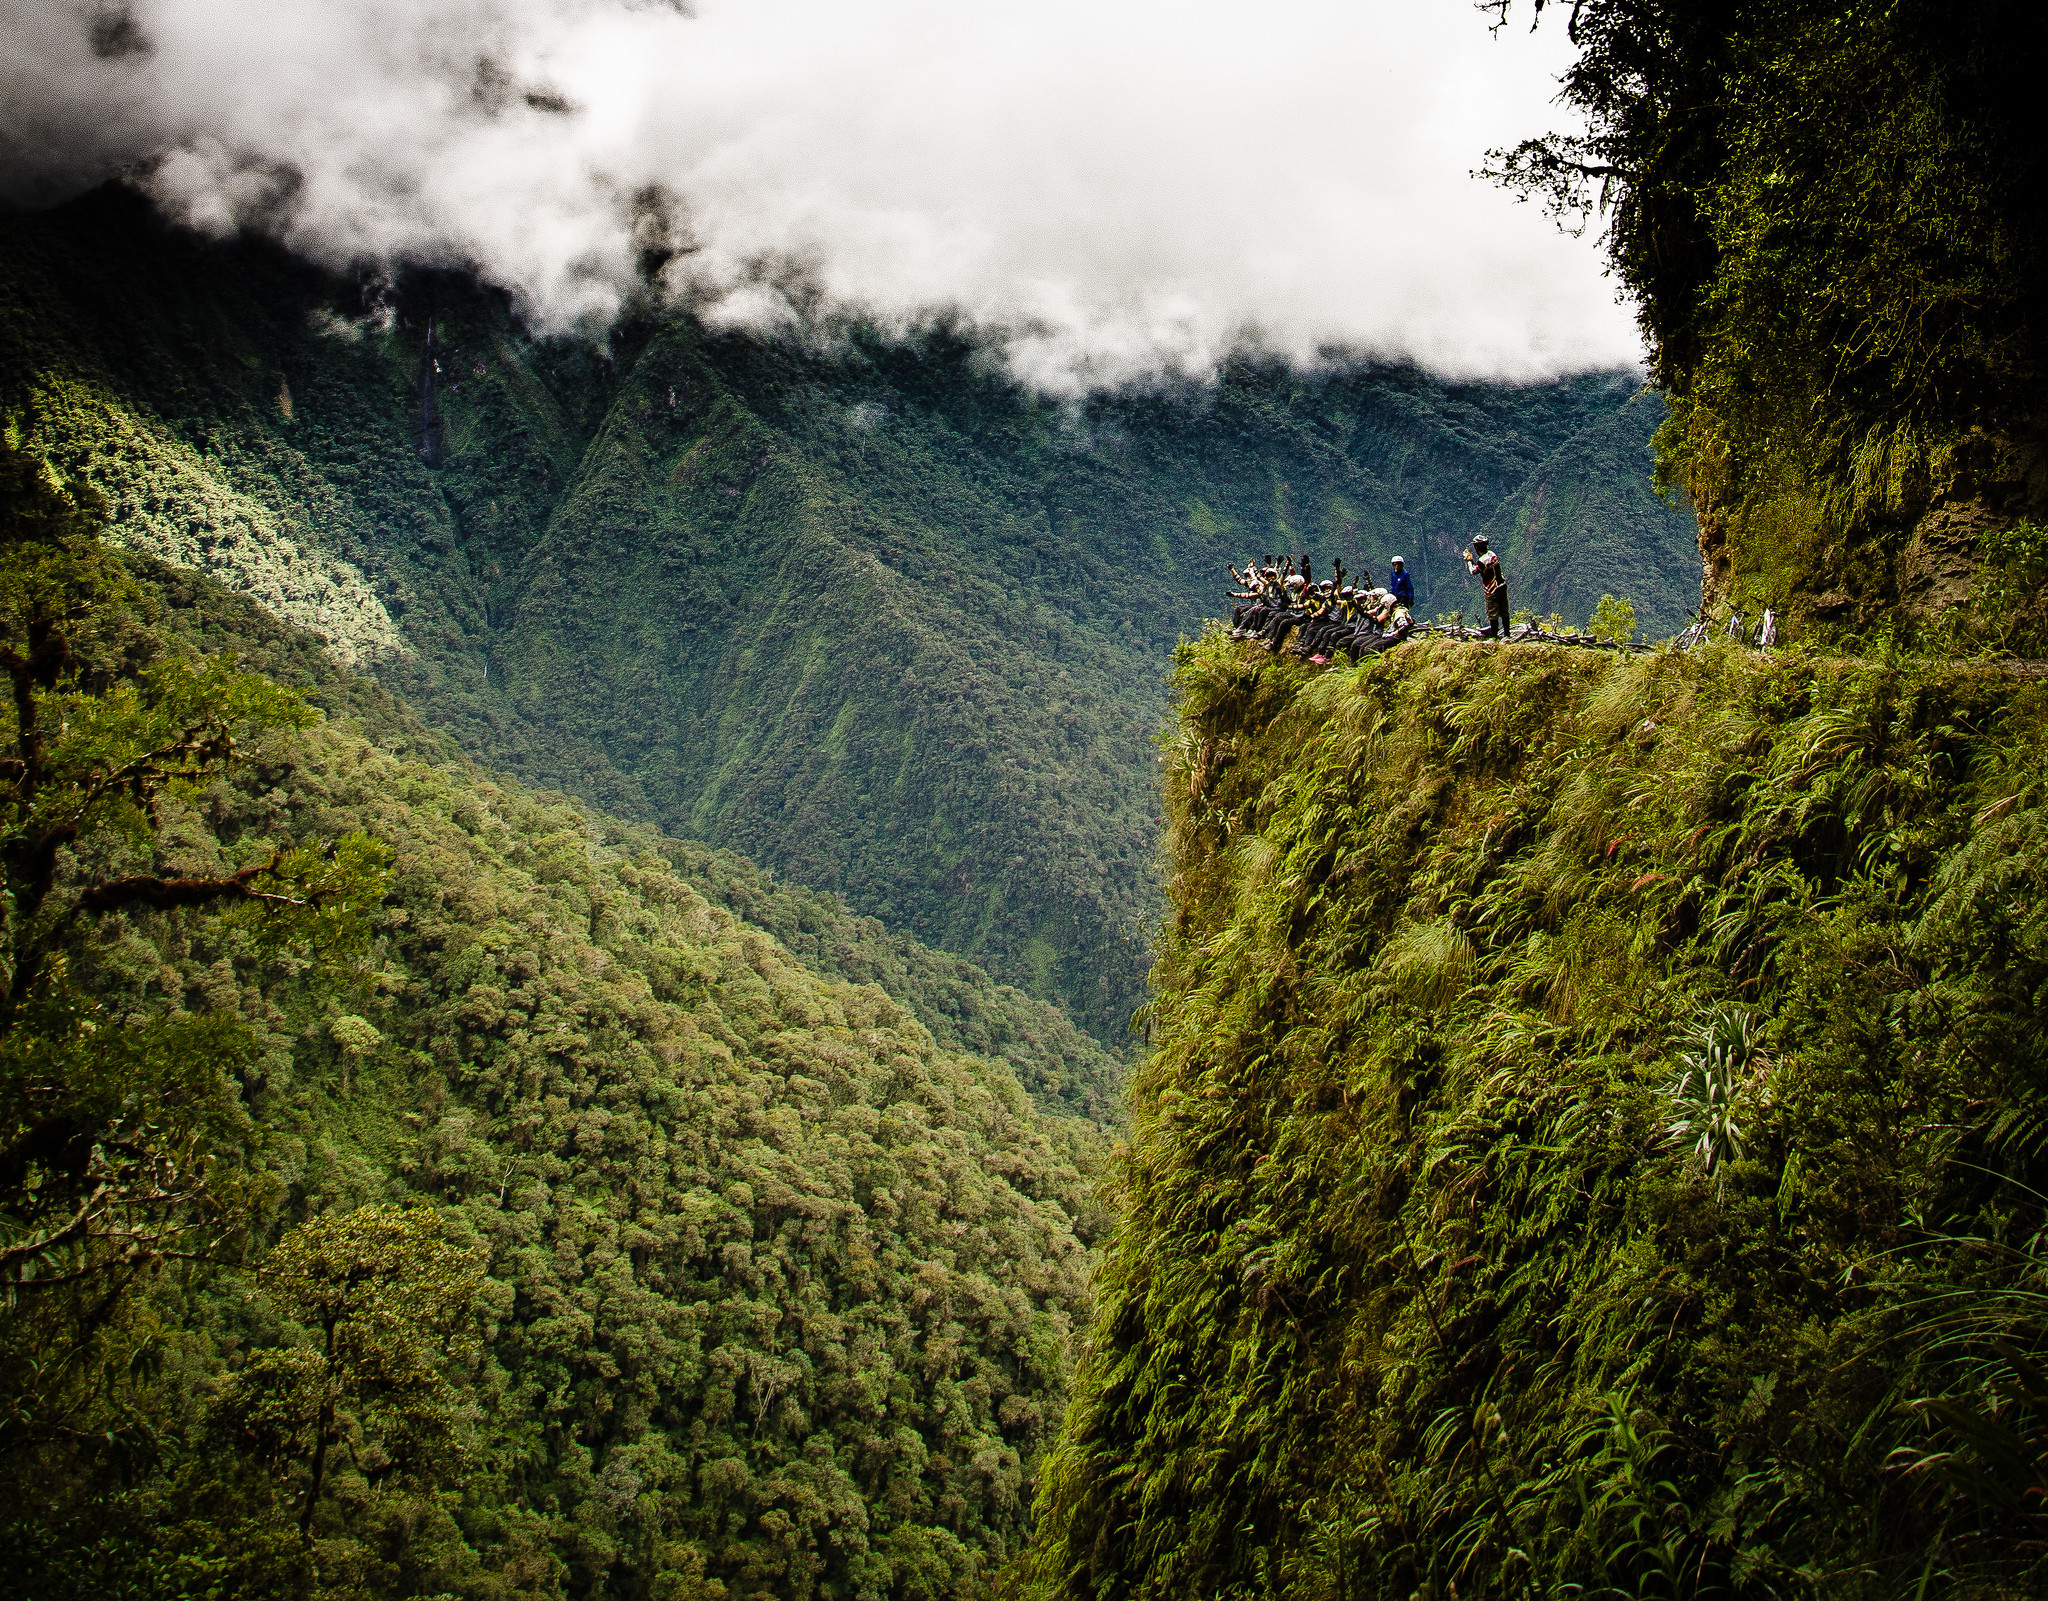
{"x": 1717, "y": 1065}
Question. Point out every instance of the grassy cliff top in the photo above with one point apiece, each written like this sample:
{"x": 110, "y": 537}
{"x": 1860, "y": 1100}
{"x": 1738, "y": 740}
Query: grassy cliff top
{"x": 1595, "y": 1136}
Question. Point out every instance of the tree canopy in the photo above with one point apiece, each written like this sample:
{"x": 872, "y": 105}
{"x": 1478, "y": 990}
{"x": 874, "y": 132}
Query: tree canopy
{"x": 470, "y": 1205}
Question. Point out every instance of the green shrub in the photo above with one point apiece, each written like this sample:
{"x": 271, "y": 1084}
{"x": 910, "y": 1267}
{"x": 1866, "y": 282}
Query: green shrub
{"x": 1613, "y": 619}
{"x": 2011, "y": 591}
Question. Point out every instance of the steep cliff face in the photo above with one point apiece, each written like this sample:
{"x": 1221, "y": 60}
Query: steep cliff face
{"x": 1831, "y": 216}
{"x": 869, "y": 614}
{"x": 1929, "y": 551}
{"x": 1594, "y": 1138}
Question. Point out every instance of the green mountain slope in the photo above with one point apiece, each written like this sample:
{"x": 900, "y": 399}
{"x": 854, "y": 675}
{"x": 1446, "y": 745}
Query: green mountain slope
{"x": 867, "y": 614}
{"x": 965, "y": 1010}
{"x": 1594, "y": 1143}
{"x": 1061, "y": 1067}
{"x": 779, "y": 1291}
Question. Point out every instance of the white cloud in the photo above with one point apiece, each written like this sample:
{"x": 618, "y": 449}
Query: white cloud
{"x": 1117, "y": 186}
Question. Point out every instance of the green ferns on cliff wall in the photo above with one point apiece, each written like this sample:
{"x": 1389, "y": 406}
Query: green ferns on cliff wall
{"x": 1595, "y": 1141}
{"x": 862, "y": 610}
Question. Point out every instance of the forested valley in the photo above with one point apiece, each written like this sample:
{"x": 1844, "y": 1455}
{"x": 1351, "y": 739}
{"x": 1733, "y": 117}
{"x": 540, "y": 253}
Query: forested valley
{"x": 686, "y": 965}
{"x": 418, "y": 1185}
{"x": 862, "y": 610}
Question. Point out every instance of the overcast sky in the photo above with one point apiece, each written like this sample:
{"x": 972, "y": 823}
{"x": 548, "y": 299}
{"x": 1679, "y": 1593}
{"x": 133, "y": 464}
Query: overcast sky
{"x": 1117, "y": 186}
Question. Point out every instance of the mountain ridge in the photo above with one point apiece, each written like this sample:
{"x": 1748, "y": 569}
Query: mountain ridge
{"x": 871, "y": 615}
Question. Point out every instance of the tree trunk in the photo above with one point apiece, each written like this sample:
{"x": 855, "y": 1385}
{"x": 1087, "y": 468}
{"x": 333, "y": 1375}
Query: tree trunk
{"x": 319, "y": 1472}
{"x": 322, "y": 1432}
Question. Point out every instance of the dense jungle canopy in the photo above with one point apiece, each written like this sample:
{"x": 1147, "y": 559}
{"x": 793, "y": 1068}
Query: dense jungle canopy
{"x": 415, "y": 1184}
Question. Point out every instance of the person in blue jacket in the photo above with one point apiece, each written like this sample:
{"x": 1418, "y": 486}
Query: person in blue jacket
{"x": 1400, "y": 585}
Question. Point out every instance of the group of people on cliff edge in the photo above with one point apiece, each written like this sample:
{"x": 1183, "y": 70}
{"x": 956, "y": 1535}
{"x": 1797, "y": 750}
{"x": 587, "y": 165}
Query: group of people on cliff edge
{"x": 1286, "y": 608}
{"x": 1283, "y": 602}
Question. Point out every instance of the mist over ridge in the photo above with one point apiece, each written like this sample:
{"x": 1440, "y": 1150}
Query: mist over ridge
{"x": 874, "y": 614}
{"x": 1105, "y": 193}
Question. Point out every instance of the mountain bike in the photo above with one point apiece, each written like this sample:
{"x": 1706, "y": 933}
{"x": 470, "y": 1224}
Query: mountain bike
{"x": 1736, "y": 628}
{"x": 1695, "y": 635}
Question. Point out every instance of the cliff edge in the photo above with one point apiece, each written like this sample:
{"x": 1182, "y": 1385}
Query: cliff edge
{"x": 1594, "y": 1137}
